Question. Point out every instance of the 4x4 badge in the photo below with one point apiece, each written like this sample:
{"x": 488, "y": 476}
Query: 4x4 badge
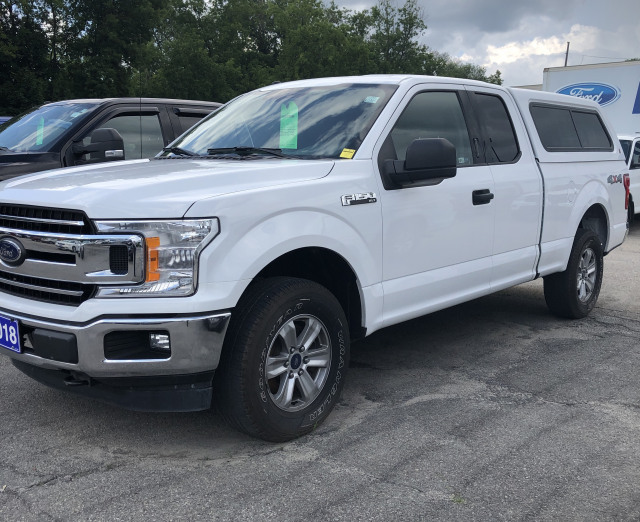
{"x": 358, "y": 199}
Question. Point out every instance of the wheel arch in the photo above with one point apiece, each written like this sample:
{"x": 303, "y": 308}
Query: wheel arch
{"x": 329, "y": 269}
{"x": 596, "y": 219}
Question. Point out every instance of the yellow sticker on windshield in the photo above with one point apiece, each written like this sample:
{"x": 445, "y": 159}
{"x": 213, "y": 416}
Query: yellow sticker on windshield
{"x": 347, "y": 153}
{"x": 289, "y": 126}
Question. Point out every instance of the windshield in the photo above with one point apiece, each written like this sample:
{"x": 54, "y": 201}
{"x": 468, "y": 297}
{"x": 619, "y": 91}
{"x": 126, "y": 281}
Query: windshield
{"x": 38, "y": 129}
{"x": 307, "y": 122}
{"x": 626, "y": 148}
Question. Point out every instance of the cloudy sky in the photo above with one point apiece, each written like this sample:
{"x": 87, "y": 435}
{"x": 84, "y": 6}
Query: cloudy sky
{"x": 522, "y": 37}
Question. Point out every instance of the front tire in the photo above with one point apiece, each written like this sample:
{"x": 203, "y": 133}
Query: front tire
{"x": 574, "y": 292}
{"x": 285, "y": 358}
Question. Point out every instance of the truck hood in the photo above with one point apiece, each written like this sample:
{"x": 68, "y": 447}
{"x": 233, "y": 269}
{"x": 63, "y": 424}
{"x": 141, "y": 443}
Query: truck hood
{"x": 14, "y": 164}
{"x": 148, "y": 189}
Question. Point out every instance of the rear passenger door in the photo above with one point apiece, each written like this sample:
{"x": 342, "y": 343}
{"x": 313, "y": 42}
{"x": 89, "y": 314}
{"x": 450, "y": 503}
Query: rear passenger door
{"x": 517, "y": 199}
{"x": 438, "y": 239}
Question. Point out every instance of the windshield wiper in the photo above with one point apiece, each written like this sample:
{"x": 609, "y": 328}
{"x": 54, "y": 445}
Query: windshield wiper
{"x": 247, "y": 151}
{"x": 179, "y": 151}
{"x": 5, "y": 149}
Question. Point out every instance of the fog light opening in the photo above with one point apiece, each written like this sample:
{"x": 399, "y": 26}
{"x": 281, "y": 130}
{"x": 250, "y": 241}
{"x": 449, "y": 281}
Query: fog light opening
{"x": 160, "y": 342}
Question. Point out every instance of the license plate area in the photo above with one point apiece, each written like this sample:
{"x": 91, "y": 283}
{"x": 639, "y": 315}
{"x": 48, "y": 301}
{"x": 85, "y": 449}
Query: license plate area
{"x": 10, "y": 334}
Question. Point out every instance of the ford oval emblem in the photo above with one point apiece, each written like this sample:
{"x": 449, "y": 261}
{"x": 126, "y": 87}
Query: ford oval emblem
{"x": 598, "y": 92}
{"x": 12, "y": 252}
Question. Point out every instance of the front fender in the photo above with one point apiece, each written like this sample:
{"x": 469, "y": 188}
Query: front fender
{"x": 246, "y": 256}
{"x": 252, "y": 236}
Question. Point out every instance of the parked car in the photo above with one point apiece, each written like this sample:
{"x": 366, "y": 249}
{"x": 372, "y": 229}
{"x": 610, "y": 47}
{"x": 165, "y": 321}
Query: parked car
{"x": 78, "y": 132}
{"x": 631, "y": 149}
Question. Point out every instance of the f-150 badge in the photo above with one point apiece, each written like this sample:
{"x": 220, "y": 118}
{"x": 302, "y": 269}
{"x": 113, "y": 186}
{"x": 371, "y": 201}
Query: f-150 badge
{"x": 358, "y": 199}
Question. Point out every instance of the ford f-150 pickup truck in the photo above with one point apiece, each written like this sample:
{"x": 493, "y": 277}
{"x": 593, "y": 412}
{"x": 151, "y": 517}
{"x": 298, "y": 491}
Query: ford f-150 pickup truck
{"x": 241, "y": 262}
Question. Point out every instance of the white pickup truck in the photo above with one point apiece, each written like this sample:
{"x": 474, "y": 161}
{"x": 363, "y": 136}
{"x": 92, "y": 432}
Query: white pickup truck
{"x": 631, "y": 149}
{"x": 293, "y": 220}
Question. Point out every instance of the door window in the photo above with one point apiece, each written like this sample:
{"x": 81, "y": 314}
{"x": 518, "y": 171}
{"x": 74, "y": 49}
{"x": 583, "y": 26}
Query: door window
{"x": 568, "y": 129}
{"x": 432, "y": 114}
{"x": 189, "y": 120}
{"x": 142, "y": 134}
{"x": 501, "y": 144}
{"x": 635, "y": 158}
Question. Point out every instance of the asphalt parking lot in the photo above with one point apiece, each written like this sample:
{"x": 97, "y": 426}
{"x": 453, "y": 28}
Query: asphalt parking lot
{"x": 492, "y": 410}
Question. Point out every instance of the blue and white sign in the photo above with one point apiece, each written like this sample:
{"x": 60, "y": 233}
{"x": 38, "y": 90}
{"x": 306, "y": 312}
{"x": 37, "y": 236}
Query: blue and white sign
{"x": 9, "y": 335}
{"x": 598, "y": 92}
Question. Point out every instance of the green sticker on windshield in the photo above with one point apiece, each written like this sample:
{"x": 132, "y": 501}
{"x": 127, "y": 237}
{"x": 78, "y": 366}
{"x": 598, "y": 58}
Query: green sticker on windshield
{"x": 289, "y": 126}
{"x": 40, "y": 131}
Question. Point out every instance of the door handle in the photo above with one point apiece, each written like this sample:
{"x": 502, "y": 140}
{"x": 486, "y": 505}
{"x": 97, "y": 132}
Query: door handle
{"x": 482, "y": 196}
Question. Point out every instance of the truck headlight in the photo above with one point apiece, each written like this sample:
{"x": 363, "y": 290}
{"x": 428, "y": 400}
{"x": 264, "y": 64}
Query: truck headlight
{"x": 172, "y": 252}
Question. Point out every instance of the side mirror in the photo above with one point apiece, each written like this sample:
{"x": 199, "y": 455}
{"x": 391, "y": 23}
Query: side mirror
{"x": 428, "y": 162}
{"x": 105, "y": 145}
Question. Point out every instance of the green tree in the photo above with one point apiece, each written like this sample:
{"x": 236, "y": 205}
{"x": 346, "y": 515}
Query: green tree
{"x": 444, "y": 65}
{"x": 108, "y": 39}
{"x": 190, "y": 55}
{"x": 316, "y": 40}
{"x": 23, "y": 57}
{"x": 496, "y": 77}
{"x": 395, "y": 37}
{"x": 203, "y": 49}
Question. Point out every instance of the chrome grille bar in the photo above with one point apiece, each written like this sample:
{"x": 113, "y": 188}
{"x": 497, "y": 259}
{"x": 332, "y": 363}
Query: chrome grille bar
{"x": 42, "y": 220}
{"x": 39, "y": 288}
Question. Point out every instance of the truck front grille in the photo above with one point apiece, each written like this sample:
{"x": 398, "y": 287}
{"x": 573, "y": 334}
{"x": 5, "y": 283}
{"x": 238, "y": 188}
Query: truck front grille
{"x": 59, "y": 292}
{"x": 64, "y": 258}
{"x": 44, "y": 219}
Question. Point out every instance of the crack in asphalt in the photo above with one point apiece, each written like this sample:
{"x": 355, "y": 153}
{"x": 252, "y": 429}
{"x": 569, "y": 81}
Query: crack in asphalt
{"x": 371, "y": 479}
{"x": 38, "y": 514}
{"x": 68, "y": 477}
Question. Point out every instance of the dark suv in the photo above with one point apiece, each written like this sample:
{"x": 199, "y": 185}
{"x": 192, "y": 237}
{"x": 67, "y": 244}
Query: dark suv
{"x": 79, "y": 132}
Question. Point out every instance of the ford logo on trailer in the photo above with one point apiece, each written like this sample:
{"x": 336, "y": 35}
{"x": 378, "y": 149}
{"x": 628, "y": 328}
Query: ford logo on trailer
{"x": 598, "y": 92}
{"x": 12, "y": 252}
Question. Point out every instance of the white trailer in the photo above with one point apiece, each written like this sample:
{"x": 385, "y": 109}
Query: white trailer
{"x": 615, "y": 86}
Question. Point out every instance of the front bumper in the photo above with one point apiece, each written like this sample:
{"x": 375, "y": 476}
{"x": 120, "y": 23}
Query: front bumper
{"x": 81, "y": 359}
{"x": 195, "y": 344}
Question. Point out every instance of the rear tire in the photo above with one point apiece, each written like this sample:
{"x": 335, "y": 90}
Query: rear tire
{"x": 284, "y": 361}
{"x": 574, "y": 292}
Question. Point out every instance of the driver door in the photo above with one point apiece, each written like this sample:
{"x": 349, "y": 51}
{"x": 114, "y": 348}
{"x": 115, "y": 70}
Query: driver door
{"x": 438, "y": 239}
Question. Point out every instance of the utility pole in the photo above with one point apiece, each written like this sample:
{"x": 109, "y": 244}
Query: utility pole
{"x": 566, "y": 56}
